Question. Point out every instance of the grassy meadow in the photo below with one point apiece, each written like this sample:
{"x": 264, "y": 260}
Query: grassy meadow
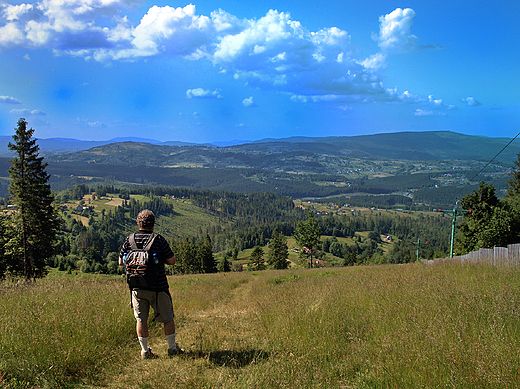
{"x": 399, "y": 326}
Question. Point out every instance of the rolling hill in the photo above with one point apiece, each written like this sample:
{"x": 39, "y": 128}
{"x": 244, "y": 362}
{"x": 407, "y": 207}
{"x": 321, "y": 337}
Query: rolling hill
{"x": 297, "y": 167}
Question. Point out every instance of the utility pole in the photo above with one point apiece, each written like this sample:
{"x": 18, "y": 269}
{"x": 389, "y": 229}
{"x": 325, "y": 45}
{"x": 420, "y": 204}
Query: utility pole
{"x": 418, "y": 244}
{"x": 454, "y": 213}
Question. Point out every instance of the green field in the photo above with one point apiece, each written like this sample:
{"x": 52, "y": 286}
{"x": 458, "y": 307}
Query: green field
{"x": 401, "y": 326}
{"x": 187, "y": 221}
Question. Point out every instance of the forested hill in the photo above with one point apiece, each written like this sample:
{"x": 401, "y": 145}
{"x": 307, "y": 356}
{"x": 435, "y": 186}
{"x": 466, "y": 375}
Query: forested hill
{"x": 439, "y": 163}
{"x": 412, "y": 146}
{"x": 430, "y": 145}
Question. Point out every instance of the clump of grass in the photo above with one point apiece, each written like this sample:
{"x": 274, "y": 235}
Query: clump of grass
{"x": 282, "y": 279}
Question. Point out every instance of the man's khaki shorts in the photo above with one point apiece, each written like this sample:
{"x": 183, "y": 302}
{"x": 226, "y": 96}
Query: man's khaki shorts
{"x": 161, "y": 302}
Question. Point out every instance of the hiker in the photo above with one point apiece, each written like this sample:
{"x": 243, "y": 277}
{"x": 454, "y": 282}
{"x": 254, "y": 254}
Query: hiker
{"x": 148, "y": 285}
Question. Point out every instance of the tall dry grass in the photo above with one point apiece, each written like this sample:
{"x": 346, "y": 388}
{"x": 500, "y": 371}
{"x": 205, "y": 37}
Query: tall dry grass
{"x": 363, "y": 327}
{"x": 62, "y": 330}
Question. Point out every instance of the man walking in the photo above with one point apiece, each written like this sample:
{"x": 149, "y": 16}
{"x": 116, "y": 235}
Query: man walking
{"x": 155, "y": 291}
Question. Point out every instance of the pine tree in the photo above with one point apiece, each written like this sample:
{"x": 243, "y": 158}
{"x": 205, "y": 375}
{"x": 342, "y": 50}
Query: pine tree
{"x": 308, "y": 237}
{"x": 513, "y": 189}
{"x": 257, "y": 259}
{"x": 206, "y": 254}
{"x": 35, "y": 220}
{"x": 186, "y": 257}
{"x": 224, "y": 265}
{"x": 4, "y": 259}
{"x": 512, "y": 201}
{"x": 278, "y": 251}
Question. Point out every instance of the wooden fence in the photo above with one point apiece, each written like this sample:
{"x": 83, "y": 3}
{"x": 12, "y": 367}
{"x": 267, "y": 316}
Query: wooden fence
{"x": 508, "y": 257}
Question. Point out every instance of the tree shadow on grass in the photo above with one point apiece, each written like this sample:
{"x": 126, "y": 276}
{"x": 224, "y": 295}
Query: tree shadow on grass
{"x": 233, "y": 359}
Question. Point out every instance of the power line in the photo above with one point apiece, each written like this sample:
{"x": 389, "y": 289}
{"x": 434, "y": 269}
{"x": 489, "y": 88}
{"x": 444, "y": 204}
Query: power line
{"x": 487, "y": 164}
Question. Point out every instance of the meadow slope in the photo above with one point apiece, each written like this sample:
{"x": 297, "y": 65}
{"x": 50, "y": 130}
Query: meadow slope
{"x": 391, "y": 326}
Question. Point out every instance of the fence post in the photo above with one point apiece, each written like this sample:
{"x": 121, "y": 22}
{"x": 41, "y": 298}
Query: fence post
{"x": 485, "y": 256}
{"x": 514, "y": 255}
{"x": 501, "y": 256}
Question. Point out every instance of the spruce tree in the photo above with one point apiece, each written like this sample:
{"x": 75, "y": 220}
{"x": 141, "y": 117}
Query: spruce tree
{"x": 513, "y": 189}
{"x": 35, "y": 221}
{"x": 278, "y": 251}
{"x": 206, "y": 255}
{"x": 4, "y": 260}
{"x": 257, "y": 259}
{"x": 308, "y": 236}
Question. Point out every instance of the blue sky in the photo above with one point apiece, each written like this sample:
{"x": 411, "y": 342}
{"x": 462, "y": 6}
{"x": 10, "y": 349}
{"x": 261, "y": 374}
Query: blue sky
{"x": 235, "y": 70}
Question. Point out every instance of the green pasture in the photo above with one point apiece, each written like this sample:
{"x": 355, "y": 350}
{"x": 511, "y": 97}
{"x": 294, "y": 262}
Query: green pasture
{"x": 401, "y": 326}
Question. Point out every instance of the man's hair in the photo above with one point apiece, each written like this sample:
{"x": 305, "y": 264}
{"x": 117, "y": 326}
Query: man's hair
{"x": 145, "y": 219}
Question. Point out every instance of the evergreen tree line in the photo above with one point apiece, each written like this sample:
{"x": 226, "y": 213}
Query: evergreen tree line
{"x": 434, "y": 229}
{"x": 238, "y": 180}
{"x": 248, "y": 221}
{"x": 196, "y": 256}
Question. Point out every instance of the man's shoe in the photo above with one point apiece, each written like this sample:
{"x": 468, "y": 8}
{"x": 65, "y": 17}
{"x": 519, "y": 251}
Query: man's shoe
{"x": 148, "y": 354}
{"x": 175, "y": 351}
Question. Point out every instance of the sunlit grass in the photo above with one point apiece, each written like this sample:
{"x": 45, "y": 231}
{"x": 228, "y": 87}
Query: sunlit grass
{"x": 358, "y": 327}
{"x": 61, "y": 329}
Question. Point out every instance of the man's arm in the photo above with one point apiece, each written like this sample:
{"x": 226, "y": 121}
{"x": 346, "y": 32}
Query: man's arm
{"x": 170, "y": 261}
{"x": 122, "y": 252}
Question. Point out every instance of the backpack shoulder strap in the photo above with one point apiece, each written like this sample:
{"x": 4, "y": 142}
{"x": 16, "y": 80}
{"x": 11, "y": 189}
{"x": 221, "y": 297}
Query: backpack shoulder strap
{"x": 150, "y": 241}
{"x": 131, "y": 240}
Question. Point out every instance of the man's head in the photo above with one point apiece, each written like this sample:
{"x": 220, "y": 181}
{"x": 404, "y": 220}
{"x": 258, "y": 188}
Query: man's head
{"x": 146, "y": 220}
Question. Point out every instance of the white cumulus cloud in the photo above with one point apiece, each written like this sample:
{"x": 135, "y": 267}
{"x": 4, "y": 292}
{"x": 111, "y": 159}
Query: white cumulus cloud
{"x": 35, "y": 112}
{"x": 422, "y": 112}
{"x": 8, "y": 100}
{"x": 248, "y": 102}
{"x": 177, "y": 31}
{"x": 471, "y": 101}
{"x": 272, "y": 52}
{"x": 203, "y": 94}
{"x": 394, "y": 33}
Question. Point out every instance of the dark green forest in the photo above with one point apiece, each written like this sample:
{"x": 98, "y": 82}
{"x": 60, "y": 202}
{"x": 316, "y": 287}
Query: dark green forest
{"x": 65, "y": 175}
{"x": 245, "y": 221}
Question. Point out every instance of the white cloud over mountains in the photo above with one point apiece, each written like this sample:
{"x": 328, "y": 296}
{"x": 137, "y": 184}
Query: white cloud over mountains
{"x": 272, "y": 52}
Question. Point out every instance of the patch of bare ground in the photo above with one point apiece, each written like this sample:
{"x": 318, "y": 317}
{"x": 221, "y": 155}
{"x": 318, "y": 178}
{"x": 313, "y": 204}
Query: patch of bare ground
{"x": 115, "y": 202}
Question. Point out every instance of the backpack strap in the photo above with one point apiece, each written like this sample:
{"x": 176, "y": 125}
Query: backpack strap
{"x": 149, "y": 243}
{"x": 131, "y": 240}
{"x": 146, "y": 246}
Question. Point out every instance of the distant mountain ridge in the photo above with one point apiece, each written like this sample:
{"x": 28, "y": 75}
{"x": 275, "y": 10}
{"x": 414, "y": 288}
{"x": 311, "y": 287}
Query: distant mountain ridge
{"x": 69, "y": 145}
{"x": 429, "y": 145}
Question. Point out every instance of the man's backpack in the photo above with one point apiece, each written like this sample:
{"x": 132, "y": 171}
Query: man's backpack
{"x": 140, "y": 269}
